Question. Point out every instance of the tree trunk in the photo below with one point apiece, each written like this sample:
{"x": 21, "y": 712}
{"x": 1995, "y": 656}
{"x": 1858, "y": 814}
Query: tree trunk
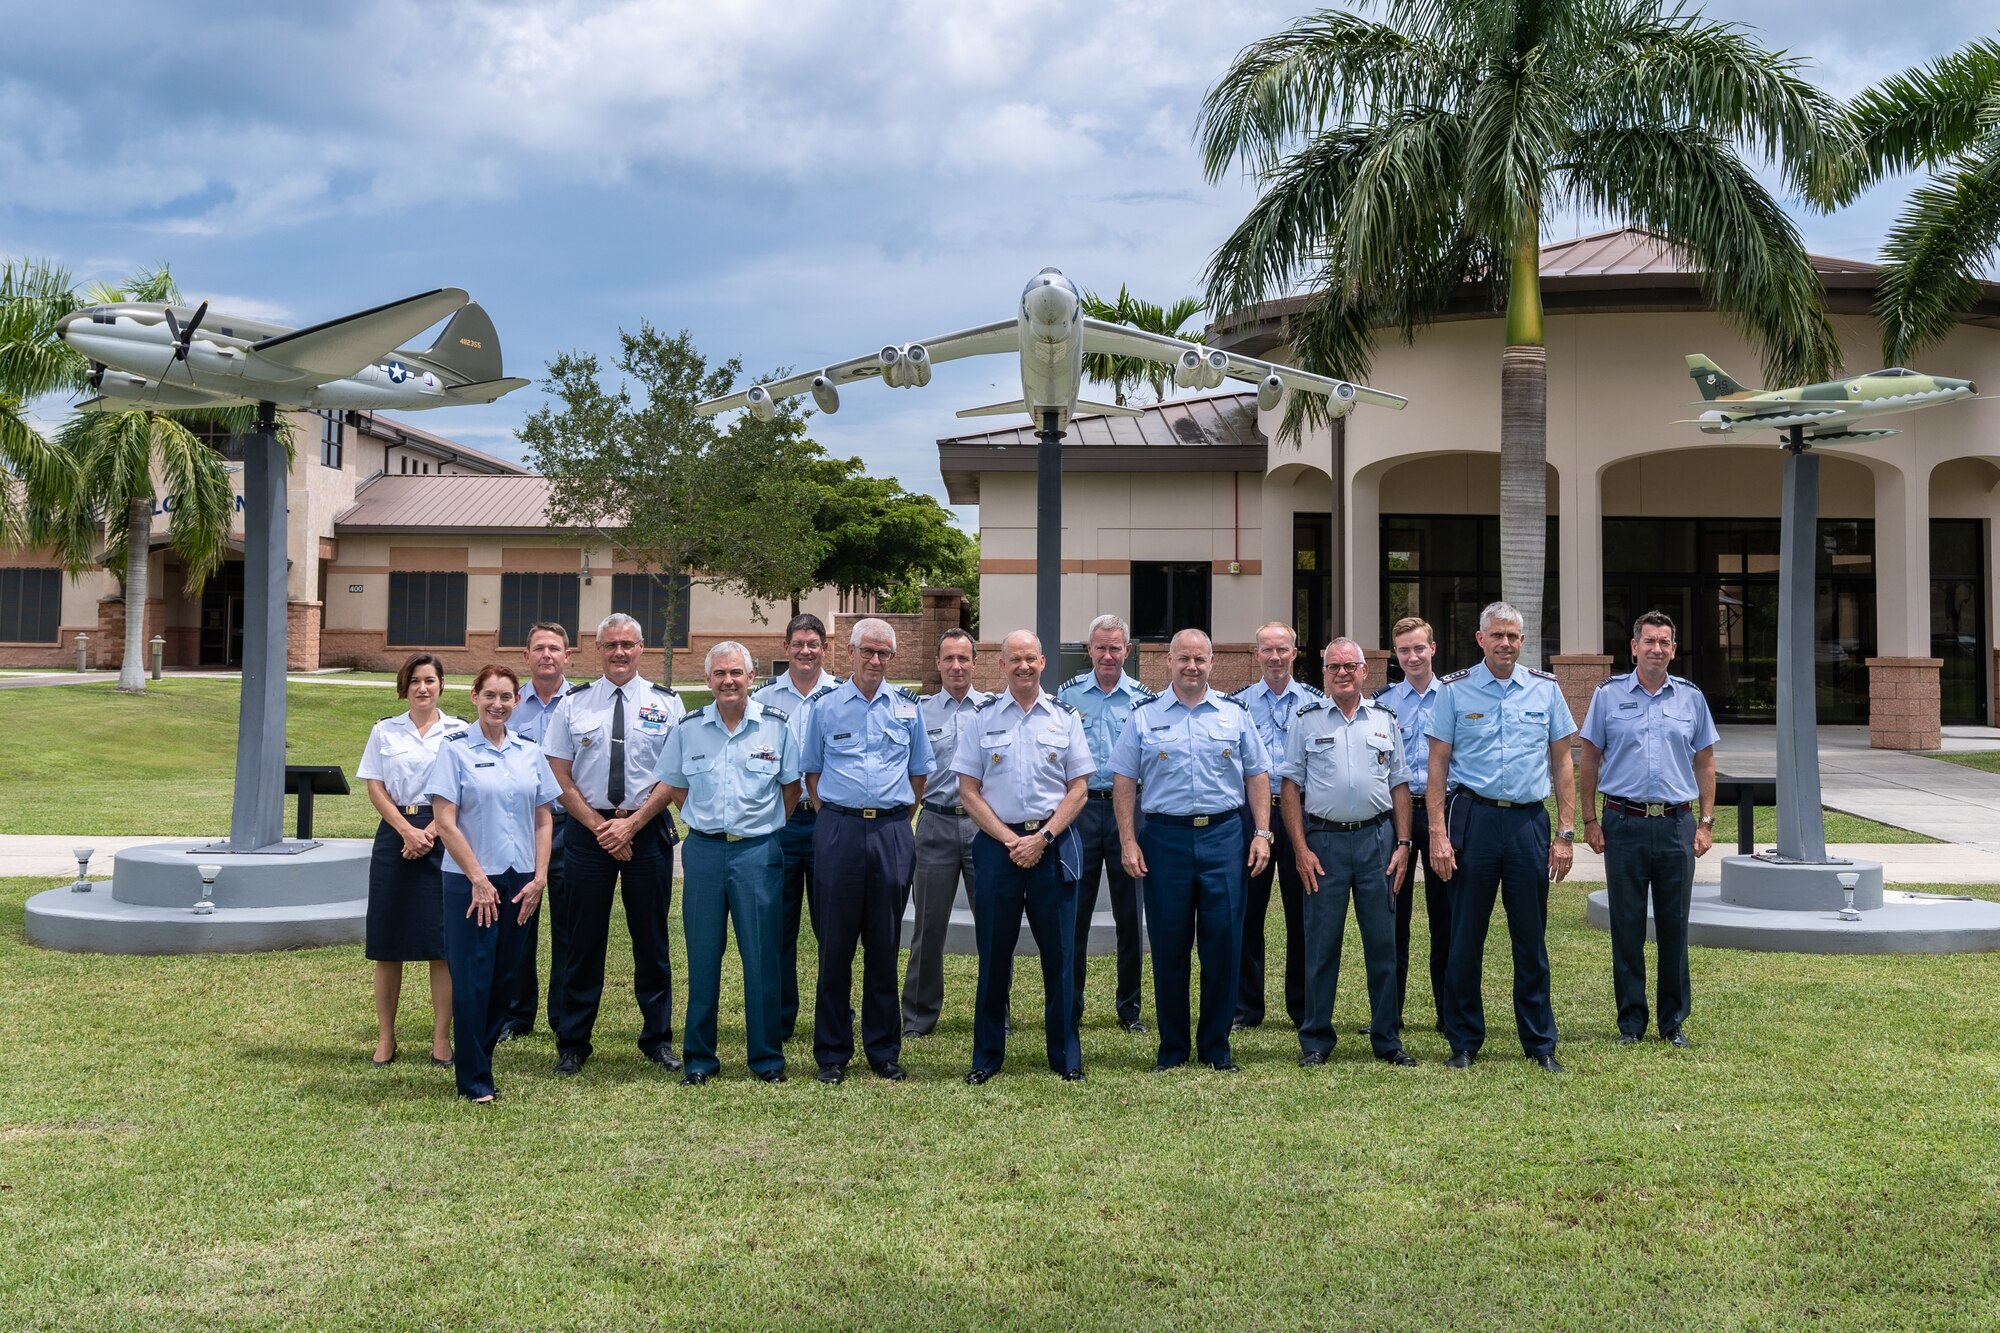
{"x": 138, "y": 529}
{"x": 1524, "y": 445}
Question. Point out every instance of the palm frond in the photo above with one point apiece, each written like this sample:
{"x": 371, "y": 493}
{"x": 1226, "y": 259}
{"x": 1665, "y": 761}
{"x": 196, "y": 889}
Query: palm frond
{"x": 1946, "y": 232}
{"x": 198, "y": 528}
{"x": 1930, "y": 114}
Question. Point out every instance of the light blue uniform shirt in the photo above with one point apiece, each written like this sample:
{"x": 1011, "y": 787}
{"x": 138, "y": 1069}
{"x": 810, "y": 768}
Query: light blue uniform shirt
{"x": 1104, "y": 715}
{"x": 1500, "y": 731}
{"x": 780, "y": 693}
{"x": 530, "y": 718}
{"x": 1649, "y": 740}
{"x": 945, "y": 720}
{"x": 1273, "y": 713}
{"x": 734, "y": 779}
{"x": 1413, "y": 714}
{"x": 1346, "y": 768}
{"x": 496, "y": 789}
{"x": 1024, "y": 759}
{"x": 1191, "y": 761}
{"x": 866, "y": 750}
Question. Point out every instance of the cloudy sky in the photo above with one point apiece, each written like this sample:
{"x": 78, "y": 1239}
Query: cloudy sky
{"x": 792, "y": 183}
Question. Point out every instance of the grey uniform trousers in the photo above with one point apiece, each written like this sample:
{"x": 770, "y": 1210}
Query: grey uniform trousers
{"x": 944, "y": 857}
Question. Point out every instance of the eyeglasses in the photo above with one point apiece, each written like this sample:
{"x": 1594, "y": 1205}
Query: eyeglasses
{"x": 621, "y": 647}
{"x": 872, "y": 653}
{"x": 1342, "y": 668}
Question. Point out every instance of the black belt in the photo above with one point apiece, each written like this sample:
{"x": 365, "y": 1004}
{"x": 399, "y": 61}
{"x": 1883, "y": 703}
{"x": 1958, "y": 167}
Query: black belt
{"x": 868, "y": 812}
{"x": 1500, "y": 805}
{"x": 620, "y": 813}
{"x": 1416, "y": 801}
{"x": 1104, "y": 795}
{"x": 1195, "y": 821}
{"x": 1318, "y": 825}
{"x": 940, "y": 808}
{"x": 1028, "y": 826}
{"x": 720, "y": 836}
{"x": 803, "y": 813}
{"x": 1646, "y": 809}
{"x": 416, "y": 809}
{"x": 1276, "y": 800}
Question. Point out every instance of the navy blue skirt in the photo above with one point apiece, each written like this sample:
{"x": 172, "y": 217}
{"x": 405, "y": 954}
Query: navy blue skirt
{"x": 405, "y": 899}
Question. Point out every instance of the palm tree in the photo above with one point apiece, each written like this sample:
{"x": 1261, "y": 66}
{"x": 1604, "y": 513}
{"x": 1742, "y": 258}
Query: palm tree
{"x": 1407, "y": 162}
{"x": 1943, "y": 117}
{"x": 1121, "y": 372}
{"x": 33, "y": 296}
{"x": 107, "y": 502}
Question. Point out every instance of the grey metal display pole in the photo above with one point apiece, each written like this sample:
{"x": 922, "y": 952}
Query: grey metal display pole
{"x": 257, "y": 816}
{"x": 1801, "y": 822}
{"x": 1048, "y": 548}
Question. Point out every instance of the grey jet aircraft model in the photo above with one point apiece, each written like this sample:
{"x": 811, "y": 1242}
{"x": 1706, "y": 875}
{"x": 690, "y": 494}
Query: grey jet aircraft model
{"x": 1050, "y": 333}
{"x": 145, "y": 354}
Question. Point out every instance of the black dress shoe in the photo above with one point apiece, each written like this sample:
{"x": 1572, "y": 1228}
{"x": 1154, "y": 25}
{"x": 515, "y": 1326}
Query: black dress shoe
{"x": 1400, "y": 1059}
{"x": 510, "y": 1032}
{"x": 1459, "y": 1060}
{"x": 978, "y": 1076}
{"x": 1223, "y": 1066}
{"x": 1627, "y": 1039}
{"x": 1678, "y": 1039}
{"x": 1548, "y": 1062}
{"x": 1071, "y": 1076}
{"x": 771, "y": 1075}
{"x": 665, "y": 1058}
{"x": 694, "y": 1078}
{"x": 832, "y": 1073}
{"x": 890, "y": 1070}
{"x": 1312, "y": 1059}
{"x": 567, "y": 1064}
{"x": 1245, "y": 1024}
{"x": 1132, "y": 1025}
{"x": 1159, "y": 1068}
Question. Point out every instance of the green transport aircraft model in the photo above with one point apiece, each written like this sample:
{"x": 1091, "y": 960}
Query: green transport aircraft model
{"x": 1828, "y": 413}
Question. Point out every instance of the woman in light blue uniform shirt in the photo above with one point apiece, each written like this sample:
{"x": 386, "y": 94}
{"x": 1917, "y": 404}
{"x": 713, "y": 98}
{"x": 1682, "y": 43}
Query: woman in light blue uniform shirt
{"x": 403, "y": 885}
{"x": 490, "y": 791}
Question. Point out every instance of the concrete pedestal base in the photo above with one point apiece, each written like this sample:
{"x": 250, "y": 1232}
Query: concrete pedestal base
{"x": 262, "y": 901}
{"x": 1799, "y": 886}
{"x": 1904, "y": 923}
{"x": 960, "y": 938}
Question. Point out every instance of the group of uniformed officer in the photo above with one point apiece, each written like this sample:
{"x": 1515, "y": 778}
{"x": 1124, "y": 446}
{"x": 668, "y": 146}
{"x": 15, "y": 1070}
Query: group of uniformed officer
{"x": 1191, "y": 803}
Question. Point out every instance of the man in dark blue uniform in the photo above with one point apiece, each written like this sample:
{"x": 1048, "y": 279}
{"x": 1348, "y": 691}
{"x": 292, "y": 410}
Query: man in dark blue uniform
{"x": 1649, "y": 745}
{"x": 1500, "y": 735}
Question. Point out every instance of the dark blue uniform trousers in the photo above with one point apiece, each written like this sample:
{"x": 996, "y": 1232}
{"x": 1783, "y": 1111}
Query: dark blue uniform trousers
{"x": 1097, "y": 826}
{"x": 1352, "y": 862}
{"x": 1194, "y": 899}
{"x": 591, "y": 874}
{"x": 524, "y": 992}
{"x": 723, "y": 883}
{"x": 484, "y": 962}
{"x": 1002, "y": 889}
{"x": 1506, "y": 853}
{"x": 861, "y": 884}
{"x": 1437, "y": 912}
{"x": 1659, "y": 853}
{"x": 795, "y": 889}
{"x": 1257, "y": 906}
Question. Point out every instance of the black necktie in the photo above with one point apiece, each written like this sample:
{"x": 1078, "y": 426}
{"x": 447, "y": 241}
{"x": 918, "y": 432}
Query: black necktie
{"x": 614, "y": 792}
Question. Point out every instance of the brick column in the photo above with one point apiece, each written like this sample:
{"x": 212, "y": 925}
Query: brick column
{"x": 1378, "y": 660}
{"x": 1580, "y": 674}
{"x": 1903, "y": 703}
{"x": 943, "y": 609}
{"x": 302, "y": 622}
{"x": 107, "y": 645}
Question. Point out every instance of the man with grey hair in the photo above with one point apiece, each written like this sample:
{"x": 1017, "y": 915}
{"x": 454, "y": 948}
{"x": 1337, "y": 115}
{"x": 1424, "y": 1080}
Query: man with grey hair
{"x": 1499, "y": 740}
{"x": 1104, "y": 698}
{"x": 603, "y": 744}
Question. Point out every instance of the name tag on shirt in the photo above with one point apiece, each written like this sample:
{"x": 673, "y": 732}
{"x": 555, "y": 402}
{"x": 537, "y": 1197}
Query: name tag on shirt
{"x": 487, "y": 764}
{"x": 903, "y": 712}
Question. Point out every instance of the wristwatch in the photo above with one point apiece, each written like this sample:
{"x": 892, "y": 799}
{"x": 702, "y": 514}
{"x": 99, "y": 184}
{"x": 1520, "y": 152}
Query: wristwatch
{"x": 1049, "y": 836}
{"x": 1405, "y": 842}
{"x": 1707, "y": 821}
{"x": 1566, "y": 834}
{"x": 1264, "y": 833}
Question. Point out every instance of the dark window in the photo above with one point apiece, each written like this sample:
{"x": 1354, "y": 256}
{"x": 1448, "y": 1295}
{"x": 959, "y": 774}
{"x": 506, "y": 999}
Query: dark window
{"x": 527, "y": 598}
{"x": 647, "y": 598}
{"x": 30, "y": 605}
{"x": 1169, "y": 596}
{"x": 1446, "y": 569}
{"x": 427, "y": 610}
{"x": 329, "y": 439}
{"x": 1958, "y": 618}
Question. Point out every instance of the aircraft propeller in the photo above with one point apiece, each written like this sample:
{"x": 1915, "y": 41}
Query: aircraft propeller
{"x": 183, "y": 336}
{"x": 97, "y": 369}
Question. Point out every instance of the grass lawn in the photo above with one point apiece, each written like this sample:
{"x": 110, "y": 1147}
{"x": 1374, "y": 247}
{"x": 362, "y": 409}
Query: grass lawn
{"x": 201, "y": 1141}
{"x": 1985, "y": 760}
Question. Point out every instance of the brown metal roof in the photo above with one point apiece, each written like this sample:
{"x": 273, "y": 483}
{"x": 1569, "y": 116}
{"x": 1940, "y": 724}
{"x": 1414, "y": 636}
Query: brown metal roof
{"x": 447, "y": 504}
{"x": 1213, "y": 434}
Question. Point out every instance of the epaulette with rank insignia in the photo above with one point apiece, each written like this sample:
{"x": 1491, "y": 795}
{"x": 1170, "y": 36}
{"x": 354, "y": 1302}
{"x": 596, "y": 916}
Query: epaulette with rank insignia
{"x": 703, "y": 709}
{"x": 1067, "y": 708}
{"x": 459, "y": 735}
{"x": 987, "y": 702}
{"x": 1234, "y": 695}
{"x": 1080, "y": 678}
{"x": 667, "y": 690}
{"x": 907, "y": 695}
{"x": 1238, "y": 702}
{"x": 578, "y": 688}
{"x": 1384, "y": 690}
{"x": 392, "y": 717}
{"x": 1147, "y": 696}
{"x": 1314, "y": 706}
{"x": 1545, "y": 675}
{"x": 822, "y": 690}
{"x": 772, "y": 710}
{"x": 1455, "y": 676}
{"x": 1314, "y": 692}
{"x": 1613, "y": 680}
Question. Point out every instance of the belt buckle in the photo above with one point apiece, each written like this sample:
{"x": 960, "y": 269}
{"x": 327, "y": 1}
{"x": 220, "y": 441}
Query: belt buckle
{"x": 620, "y": 813}
{"x": 409, "y": 809}
{"x": 1656, "y": 810}
{"x": 1030, "y": 825}
{"x": 868, "y": 813}
{"x": 732, "y": 837}
{"x": 1505, "y": 805}
{"x": 1201, "y": 821}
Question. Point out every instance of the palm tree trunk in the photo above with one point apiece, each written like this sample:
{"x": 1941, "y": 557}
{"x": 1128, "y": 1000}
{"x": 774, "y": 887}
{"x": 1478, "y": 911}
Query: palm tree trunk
{"x": 138, "y": 529}
{"x": 1524, "y": 444}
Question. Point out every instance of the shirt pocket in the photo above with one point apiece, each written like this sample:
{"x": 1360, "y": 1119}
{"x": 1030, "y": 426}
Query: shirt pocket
{"x": 761, "y": 767}
{"x": 996, "y": 746}
{"x": 589, "y": 738}
{"x": 850, "y": 741}
{"x": 1381, "y": 751}
{"x": 698, "y": 763}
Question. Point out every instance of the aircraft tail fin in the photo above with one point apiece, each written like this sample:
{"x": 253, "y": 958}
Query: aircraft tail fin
{"x": 469, "y": 346}
{"x": 1108, "y": 409}
{"x": 995, "y": 409}
{"x": 1713, "y": 381}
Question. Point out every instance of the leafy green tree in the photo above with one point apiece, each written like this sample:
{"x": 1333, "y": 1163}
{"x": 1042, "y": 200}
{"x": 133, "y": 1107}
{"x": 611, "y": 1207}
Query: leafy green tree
{"x": 1944, "y": 118}
{"x": 960, "y": 571}
{"x": 34, "y": 475}
{"x": 1406, "y": 161}
{"x": 874, "y": 535}
{"x": 633, "y": 461}
{"x": 1126, "y": 372}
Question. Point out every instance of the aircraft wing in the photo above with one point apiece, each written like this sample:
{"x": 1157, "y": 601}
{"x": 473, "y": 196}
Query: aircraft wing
{"x": 1118, "y": 340}
{"x": 339, "y": 347}
{"x": 982, "y": 341}
{"x": 1796, "y": 416}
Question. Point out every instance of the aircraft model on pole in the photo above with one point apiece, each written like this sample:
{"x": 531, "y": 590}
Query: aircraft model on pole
{"x": 144, "y": 354}
{"x": 1050, "y": 334}
{"x": 1827, "y": 413}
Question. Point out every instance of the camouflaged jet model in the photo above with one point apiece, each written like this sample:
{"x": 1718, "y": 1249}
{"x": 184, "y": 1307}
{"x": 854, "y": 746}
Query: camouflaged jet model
{"x": 1826, "y": 412}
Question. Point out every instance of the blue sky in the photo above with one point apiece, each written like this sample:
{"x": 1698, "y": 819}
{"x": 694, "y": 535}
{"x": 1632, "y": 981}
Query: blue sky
{"x": 792, "y": 183}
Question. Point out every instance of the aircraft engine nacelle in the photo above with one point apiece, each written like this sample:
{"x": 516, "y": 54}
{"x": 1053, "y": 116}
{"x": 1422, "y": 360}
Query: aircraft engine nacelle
{"x": 891, "y": 359}
{"x": 758, "y": 399}
{"x": 1341, "y": 401}
{"x": 1213, "y": 367}
{"x": 1187, "y": 369}
{"x": 1270, "y": 392}
{"x": 825, "y": 394}
{"x": 917, "y": 360}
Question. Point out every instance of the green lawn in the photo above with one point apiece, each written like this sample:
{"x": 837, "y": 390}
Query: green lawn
{"x": 200, "y": 1141}
{"x": 1985, "y": 760}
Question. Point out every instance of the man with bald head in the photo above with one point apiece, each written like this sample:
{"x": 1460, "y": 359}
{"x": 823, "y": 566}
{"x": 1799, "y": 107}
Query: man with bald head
{"x": 1199, "y": 761}
{"x": 1022, "y": 763}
